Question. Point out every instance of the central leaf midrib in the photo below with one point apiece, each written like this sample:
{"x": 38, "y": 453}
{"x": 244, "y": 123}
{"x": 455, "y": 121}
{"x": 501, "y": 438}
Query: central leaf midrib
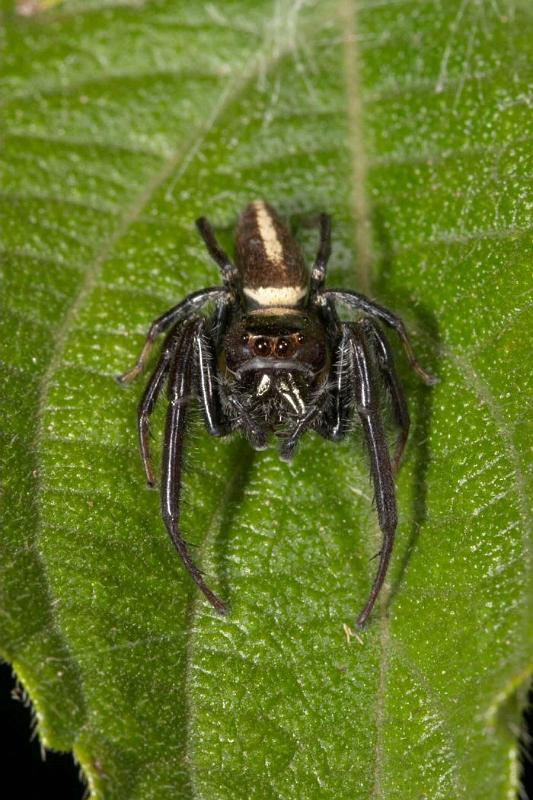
{"x": 364, "y": 275}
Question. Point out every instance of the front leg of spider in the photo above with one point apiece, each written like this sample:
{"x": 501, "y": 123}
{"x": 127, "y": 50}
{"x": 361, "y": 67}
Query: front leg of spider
{"x": 367, "y": 406}
{"x": 186, "y": 363}
{"x": 354, "y": 389}
{"x": 180, "y": 387}
{"x": 380, "y": 346}
{"x": 150, "y": 397}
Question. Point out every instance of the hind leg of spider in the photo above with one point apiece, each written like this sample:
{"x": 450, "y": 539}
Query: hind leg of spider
{"x": 228, "y": 269}
{"x": 189, "y": 306}
{"x": 380, "y": 463}
{"x": 149, "y": 399}
{"x": 180, "y": 386}
{"x": 318, "y": 273}
{"x": 399, "y": 404}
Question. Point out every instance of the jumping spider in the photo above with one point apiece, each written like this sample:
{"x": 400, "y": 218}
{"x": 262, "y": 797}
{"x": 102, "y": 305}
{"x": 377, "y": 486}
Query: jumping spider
{"x": 274, "y": 357}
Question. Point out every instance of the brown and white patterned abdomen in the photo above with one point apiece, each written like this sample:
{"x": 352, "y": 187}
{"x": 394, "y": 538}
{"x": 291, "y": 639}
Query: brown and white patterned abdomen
{"x": 269, "y": 259}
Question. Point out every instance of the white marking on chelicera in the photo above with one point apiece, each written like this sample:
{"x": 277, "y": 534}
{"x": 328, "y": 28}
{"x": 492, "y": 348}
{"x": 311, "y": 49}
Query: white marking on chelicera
{"x": 296, "y": 393}
{"x": 292, "y": 396}
{"x": 264, "y": 385}
{"x": 267, "y": 231}
{"x": 276, "y": 295}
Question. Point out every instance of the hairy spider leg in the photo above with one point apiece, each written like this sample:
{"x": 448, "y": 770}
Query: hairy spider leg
{"x": 180, "y": 384}
{"x": 362, "y": 303}
{"x": 380, "y": 464}
{"x": 149, "y": 399}
{"x": 335, "y": 424}
{"x": 318, "y": 273}
{"x": 207, "y": 383}
{"x": 399, "y": 404}
{"x": 230, "y": 273}
{"x": 190, "y": 305}
{"x": 220, "y": 320}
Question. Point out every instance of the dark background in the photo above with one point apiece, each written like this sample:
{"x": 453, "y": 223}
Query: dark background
{"x": 58, "y": 776}
{"x": 22, "y": 765}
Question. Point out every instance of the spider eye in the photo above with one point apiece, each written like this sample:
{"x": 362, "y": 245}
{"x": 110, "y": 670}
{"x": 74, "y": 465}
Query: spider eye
{"x": 244, "y": 338}
{"x": 301, "y": 337}
{"x": 281, "y": 347}
{"x": 262, "y": 346}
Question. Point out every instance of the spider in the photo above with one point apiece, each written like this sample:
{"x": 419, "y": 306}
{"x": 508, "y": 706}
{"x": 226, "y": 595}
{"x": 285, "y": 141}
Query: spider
{"x": 274, "y": 357}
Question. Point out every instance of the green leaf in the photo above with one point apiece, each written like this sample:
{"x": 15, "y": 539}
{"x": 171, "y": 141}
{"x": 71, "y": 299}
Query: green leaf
{"x": 405, "y": 120}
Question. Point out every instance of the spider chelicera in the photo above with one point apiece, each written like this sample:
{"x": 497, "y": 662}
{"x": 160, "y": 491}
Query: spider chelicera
{"x": 274, "y": 357}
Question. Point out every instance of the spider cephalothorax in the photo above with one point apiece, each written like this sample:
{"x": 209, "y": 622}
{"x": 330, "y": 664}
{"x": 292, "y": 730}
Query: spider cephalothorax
{"x": 274, "y": 358}
{"x": 273, "y": 364}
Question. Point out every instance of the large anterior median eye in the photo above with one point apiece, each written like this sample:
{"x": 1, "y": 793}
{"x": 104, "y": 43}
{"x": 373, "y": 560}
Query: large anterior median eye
{"x": 262, "y": 346}
{"x": 282, "y": 347}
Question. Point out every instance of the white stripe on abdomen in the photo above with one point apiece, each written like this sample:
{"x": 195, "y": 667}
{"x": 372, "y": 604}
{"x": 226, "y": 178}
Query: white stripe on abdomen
{"x": 267, "y": 232}
{"x": 276, "y": 295}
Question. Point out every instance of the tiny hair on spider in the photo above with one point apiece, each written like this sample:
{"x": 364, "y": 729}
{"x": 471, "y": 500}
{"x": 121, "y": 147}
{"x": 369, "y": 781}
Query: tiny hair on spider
{"x": 274, "y": 358}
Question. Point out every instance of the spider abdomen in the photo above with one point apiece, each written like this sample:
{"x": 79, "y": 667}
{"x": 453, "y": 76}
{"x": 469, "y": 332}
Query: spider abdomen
{"x": 269, "y": 259}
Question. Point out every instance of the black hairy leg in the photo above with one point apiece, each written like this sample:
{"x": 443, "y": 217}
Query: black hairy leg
{"x": 362, "y": 303}
{"x": 230, "y": 274}
{"x": 180, "y": 386}
{"x": 335, "y": 422}
{"x": 192, "y": 304}
{"x": 318, "y": 272}
{"x": 207, "y": 388}
{"x": 378, "y": 341}
{"x": 150, "y": 397}
{"x": 367, "y": 406}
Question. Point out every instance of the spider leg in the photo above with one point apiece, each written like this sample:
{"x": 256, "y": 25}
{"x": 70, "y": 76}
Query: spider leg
{"x": 362, "y": 303}
{"x": 181, "y": 375}
{"x": 399, "y": 404}
{"x": 380, "y": 464}
{"x": 191, "y": 304}
{"x": 335, "y": 424}
{"x": 220, "y": 320}
{"x": 207, "y": 389}
{"x": 318, "y": 273}
{"x": 230, "y": 274}
{"x": 149, "y": 399}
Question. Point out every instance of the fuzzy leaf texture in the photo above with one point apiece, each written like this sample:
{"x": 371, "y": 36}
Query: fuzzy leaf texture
{"x": 407, "y": 121}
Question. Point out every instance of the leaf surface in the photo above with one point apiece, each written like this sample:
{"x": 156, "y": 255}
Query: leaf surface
{"x": 407, "y": 121}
